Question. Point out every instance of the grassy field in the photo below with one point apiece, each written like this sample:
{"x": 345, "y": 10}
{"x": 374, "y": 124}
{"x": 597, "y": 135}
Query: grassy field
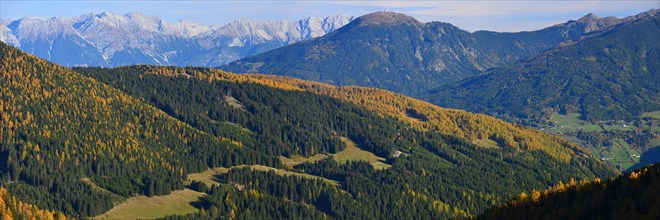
{"x": 233, "y": 102}
{"x": 570, "y": 122}
{"x": 354, "y": 153}
{"x": 115, "y": 198}
{"x": 655, "y": 114}
{"x": 487, "y": 143}
{"x": 142, "y": 207}
{"x": 295, "y": 159}
{"x": 619, "y": 154}
{"x": 179, "y": 202}
{"x": 208, "y": 176}
{"x": 616, "y": 127}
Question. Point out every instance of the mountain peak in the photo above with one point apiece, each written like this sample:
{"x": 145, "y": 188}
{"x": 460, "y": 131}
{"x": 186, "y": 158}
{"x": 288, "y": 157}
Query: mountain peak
{"x": 110, "y": 39}
{"x": 588, "y": 18}
{"x": 387, "y": 18}
{"x": 105, "y": 14}
{"x": 190, "y": 28}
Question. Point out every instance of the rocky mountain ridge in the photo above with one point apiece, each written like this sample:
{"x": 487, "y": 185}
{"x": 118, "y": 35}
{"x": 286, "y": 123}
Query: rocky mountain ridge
{"x": 396, "y": 52}
{"x": 107, "y": 39}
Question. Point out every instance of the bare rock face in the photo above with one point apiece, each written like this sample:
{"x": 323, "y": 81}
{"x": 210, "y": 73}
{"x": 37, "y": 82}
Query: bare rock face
{"x": 592, "y": 23}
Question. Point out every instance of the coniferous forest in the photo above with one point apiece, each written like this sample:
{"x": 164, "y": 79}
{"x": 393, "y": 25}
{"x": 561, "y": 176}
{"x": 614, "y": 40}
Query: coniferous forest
{"x": 630, "y": 196}
{"x": 82, "y": 140}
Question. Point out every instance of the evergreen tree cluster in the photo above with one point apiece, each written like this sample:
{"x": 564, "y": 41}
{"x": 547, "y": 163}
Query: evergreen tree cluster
{"x": 630, "y": 196}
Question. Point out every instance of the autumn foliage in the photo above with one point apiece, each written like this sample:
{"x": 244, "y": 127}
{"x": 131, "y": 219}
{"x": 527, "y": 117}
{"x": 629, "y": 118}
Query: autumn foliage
{"x": 425, "y": 116}
{"x": 11, "y": 208}
{"x": 630, "y": 196}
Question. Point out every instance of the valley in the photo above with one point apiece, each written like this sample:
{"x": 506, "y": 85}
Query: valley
{"x": 617, "y": 142}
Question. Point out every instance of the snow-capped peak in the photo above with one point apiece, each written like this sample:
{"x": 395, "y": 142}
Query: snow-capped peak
{"x": 137, "y": 38}
{"x": 7, "y": 36}
{"x": 30, "y": 29}
{"x": 189, "y": 28}
{"x": 244, "y": 32}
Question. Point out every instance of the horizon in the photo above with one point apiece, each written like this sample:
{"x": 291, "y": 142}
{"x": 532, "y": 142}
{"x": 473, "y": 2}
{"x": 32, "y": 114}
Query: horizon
{"x": 500, "y": 16}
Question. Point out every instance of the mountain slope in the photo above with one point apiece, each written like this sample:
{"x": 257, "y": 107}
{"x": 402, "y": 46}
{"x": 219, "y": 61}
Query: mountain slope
{"x": 436, "y": 164}
{"x": 630, "y": 196}
{"x": 611, "y": 76}
{"x": 396, "y": 52}
{"x": 477, "y": 128}
{"x": 10, "y": 208}
{"x": 73, "y": 143}
{"x": 107, "y": 39}
{"x": 61, "y": 130}
{"x": 54, "y": 40}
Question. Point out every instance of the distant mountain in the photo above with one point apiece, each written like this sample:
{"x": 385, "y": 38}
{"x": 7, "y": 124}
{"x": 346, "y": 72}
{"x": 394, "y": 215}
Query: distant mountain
{"x": 611, "y": 76}
{"x": 396, "y": 52}
{"x": 243, "y": 38}
{"x": 107, "y": 39}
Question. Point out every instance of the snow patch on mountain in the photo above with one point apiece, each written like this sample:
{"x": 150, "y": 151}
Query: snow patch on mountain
{"x": 7, "y": 36}
{"x": 189, "y": 28}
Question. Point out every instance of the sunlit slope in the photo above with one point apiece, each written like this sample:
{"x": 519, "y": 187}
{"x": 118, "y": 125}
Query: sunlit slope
{"x": 58, "y": 127}
{"x": 279, "y": 117}
{"x": 421, "y": 115}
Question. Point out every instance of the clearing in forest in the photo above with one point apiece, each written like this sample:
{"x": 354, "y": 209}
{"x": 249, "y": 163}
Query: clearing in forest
{"x": 234, "y": 103}
{"x": 143, "y": 207}
{"x": 296, "y": 159}
{"x": 354, "y": 153}
{"x": 208, "y": 176}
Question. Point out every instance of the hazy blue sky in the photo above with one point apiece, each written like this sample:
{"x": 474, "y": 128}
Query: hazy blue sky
{"x": 512, "y": 15}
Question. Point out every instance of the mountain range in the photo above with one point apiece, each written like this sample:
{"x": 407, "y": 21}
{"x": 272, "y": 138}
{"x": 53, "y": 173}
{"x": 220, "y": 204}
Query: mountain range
{"x": 600, "y": 72}
{"x": 613, "y": 75}
{"x": 396, "y": 52}
{"x": 107, "y": 39}
{"x": 87, "y": 141}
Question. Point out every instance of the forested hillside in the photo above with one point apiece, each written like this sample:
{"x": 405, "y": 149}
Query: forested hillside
{"x": 12, "y": 208}
{"x": 60, "y": 130}
{"x": 482, "y": 130}
{"x": 437, "y": 168}
{"x": 612, "y": 76}
{"x": 82, "y": 143}
{"x": 600, "y": 92}
{"x": 630, "y": 196}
